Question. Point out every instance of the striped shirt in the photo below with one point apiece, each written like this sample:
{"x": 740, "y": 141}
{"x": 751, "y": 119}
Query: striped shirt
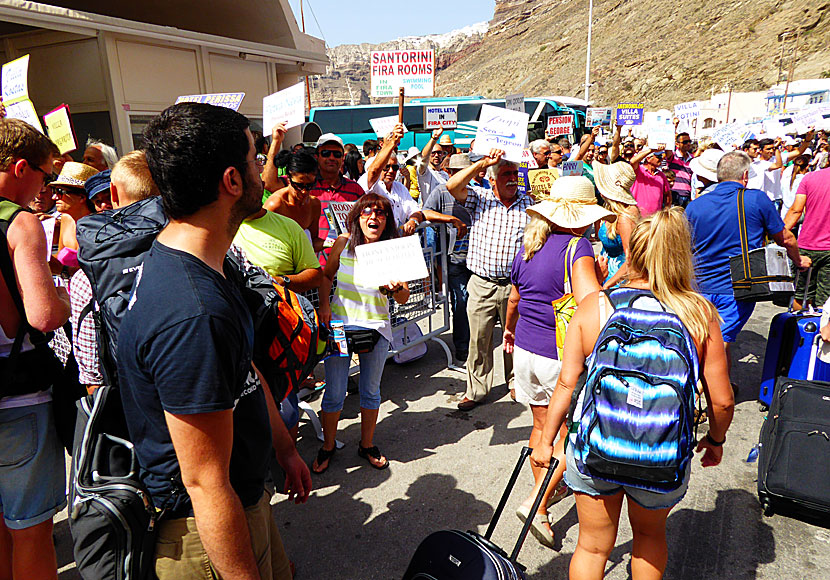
{"x": 357, "y": 305}
{"x": 682, "y": 174}
{"x": 496, "y": 233}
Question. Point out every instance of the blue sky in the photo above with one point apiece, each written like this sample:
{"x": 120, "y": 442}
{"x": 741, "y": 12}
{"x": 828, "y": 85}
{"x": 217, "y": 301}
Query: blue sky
{"x": 353, "y": 22}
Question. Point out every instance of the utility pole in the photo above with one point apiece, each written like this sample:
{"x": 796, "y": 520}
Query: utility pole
{"x": 729, "y": 102}
{"x": 307, "y": 87}
{"x": 588, "y": 55}
{"x": 792, "y": 70}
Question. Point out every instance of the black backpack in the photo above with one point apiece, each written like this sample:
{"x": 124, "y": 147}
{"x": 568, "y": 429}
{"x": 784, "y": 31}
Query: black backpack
{"x": 112, "y": 517}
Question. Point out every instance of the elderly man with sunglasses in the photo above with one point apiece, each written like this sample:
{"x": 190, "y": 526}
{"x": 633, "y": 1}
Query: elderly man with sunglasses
{"x": 496, "y": 234}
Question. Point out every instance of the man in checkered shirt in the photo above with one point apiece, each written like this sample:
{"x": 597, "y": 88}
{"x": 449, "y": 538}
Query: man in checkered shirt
{"x": 498, "y": 223}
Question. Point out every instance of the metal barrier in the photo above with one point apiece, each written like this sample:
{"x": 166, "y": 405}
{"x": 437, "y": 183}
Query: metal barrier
{"x": 424, "y": 302}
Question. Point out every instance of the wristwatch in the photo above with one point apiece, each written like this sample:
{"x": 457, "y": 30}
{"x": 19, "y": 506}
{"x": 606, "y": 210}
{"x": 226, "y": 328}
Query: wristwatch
{"x": 285, "y": 281}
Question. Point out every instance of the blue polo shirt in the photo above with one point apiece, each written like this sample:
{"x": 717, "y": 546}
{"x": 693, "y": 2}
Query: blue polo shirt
{"x": 715, "y": 236}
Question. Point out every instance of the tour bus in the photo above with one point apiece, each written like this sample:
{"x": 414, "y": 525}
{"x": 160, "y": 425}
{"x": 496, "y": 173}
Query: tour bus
{"x": 351, "y": 123}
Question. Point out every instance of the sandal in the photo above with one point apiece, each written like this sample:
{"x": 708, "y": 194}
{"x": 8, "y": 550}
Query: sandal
{"x": 323, "y": 456}
{"x": 369, "y": 453}
{"x": 560, "y": 492}
{"x": 537, "y": 527}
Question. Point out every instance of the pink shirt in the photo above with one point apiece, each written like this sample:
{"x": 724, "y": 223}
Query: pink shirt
{"x": 649, "y": 190}
{"x": 814, "y": 233}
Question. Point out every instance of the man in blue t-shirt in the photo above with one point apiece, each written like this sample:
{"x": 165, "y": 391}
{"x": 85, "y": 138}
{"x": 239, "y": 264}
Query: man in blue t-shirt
{"x": 715, "y": 238}
{"x": 201, "y": 421}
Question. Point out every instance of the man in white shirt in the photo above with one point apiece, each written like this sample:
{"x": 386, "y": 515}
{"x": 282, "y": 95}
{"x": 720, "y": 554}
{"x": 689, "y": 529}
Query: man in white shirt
{"x": 768, "y": 165}
{"x": 430, "y": 174}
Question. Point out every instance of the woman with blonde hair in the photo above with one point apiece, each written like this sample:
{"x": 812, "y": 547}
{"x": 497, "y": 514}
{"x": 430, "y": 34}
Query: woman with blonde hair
{"x": 555, "y": 261}
{"x": 660, "y": 294}
{"x": 614, "y": 184}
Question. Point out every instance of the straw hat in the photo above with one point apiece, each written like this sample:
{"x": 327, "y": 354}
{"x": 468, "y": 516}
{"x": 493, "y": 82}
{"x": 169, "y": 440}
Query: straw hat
{"x": 445, "y": 140}
{"x": 460, "y": 161}
{"x": 74, "y": 175}
{"x": 706, "y": 164}
{"x": 614, "y": 181}
{"x": 571, "y": 204}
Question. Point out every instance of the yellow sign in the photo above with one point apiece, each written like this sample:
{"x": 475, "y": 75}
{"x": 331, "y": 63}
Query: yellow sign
{"x": 540, "y": 182}
{"x": 14, "y": 89}
{"x": 59, "y": 129}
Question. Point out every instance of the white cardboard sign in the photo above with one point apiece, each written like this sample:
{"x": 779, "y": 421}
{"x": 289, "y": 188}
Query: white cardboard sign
{"x": 502, "y": 129}
{"x": 515, "y": 103}
{"x": 686, "y": 113}
{"x": 806, "y": 119}
{"x": 559, "y": 125}
{"x": 440, "y": 116}
{"x": 382, "y": 126}
{"x": 285, "y": 106}
{"x": 730, "y": 136}
{"x": 400, "y": 259}
{"x": 25, "y": 111}
{"x": 414, "y": 70}
{"x": 15, "y": 85}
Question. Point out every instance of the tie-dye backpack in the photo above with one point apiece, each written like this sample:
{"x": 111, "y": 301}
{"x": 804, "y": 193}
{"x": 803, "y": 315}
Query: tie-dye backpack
{"x": 633, "y": 422}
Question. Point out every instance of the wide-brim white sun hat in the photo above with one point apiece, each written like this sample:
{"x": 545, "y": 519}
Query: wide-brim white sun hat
{"x": 706, "y": 164}
{"x": 571, "y": 203}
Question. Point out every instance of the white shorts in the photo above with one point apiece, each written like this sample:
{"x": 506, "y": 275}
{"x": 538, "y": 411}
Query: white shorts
{"x": 534, "y": 376}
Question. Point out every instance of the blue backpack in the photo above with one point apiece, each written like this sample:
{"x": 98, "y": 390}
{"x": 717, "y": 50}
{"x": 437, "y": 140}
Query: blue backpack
{"x": 633, "y": 422}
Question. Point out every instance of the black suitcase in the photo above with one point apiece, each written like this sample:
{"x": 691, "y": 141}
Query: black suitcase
{"x": 794, "y": 450}
{"x": 457, "y": 555}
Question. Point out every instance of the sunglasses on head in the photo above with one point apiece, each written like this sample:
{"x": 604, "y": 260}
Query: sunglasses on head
{"x": 331, "y": 153}
{"x": 301, "y": 186}
{"x": 368, "y": 210}
{"x": 392, "y": 166}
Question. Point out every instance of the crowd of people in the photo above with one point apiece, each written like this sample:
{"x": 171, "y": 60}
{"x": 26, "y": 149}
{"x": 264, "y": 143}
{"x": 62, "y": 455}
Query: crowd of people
{"x": 645, "y": 230}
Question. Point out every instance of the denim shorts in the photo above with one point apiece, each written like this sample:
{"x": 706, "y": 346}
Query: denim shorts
{"x": 371, "y": 371}
{"x": 32, "y": 467}
{"x": 735, "y": 313}
{"x": 650, "y": 500}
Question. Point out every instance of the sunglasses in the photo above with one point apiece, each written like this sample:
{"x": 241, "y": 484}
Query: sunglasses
{"x": 683, "y": 142}
{"x": 64, "y": 191}
{"x": 367, "y": 211}
{"x": 602, "y": 152}
{"x": 556, "y": 151}
{"x": 394, "y": 167}
{"x": 509, "y": 174}
{"x": 301, "y": 186}
{"x": 47, "y": 177}
{"x": 439, "y": 153}
{"x": 331, "y": 153}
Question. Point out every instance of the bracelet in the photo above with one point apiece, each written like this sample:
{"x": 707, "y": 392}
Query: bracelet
{"x": 714, "y": 443}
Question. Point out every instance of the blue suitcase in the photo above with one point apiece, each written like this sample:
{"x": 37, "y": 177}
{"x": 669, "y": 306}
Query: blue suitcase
{"x": 792, "y": 346}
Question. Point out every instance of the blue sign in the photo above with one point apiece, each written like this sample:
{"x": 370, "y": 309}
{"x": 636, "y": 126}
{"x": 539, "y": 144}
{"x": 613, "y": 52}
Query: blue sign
{"x": 629, "y": 114}
{"x": 229, "y": 100}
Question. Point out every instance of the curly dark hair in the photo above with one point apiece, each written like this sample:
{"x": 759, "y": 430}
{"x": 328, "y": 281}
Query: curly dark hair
{"x": 374, "y": 200}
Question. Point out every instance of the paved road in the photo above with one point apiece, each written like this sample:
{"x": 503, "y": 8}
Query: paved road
{"x": 448, "y": 469}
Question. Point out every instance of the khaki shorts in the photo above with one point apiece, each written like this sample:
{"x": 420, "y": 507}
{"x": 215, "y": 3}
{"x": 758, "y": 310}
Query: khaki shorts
{"x": 181, "y": 556}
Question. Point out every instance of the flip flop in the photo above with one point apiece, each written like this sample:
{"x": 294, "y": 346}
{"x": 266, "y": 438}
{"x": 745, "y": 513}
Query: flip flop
{"x": 323, "y": 456}
{"x": 537, "y": 527}
{"x": 374, "y": 453}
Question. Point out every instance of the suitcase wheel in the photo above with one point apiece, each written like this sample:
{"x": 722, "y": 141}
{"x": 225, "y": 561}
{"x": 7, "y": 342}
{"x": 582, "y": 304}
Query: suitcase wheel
{"x": 763, "y": 407}
{"x": 766, "y": 506}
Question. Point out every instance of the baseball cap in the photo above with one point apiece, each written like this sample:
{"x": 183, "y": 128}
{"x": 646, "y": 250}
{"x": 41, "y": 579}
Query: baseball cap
{"x": 329, "y": 138}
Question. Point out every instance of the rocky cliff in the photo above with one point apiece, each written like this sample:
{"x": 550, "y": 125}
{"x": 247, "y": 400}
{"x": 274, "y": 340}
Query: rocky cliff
{"x": 659, "y": 52}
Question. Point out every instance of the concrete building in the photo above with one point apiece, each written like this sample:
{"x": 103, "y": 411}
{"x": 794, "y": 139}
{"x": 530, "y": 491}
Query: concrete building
{"x": 800, "y": 95}
{"x": 117, "y": 63}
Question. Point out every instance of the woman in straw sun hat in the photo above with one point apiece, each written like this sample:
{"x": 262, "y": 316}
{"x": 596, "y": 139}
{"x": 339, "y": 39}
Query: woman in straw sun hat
{"x": 614, "y": 184}
{"x": 554, "y": 260}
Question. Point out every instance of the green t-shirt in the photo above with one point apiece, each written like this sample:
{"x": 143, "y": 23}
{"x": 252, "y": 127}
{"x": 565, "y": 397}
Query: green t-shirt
{"x": 277, "y": 244}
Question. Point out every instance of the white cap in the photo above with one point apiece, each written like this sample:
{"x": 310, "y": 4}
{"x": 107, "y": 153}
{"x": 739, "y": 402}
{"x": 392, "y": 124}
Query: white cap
{"x": 329, "y": 138}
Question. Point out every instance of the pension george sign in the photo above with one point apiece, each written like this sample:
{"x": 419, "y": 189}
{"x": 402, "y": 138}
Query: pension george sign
{"x": 559, "y": 125}
{"x": 414, "y": 70}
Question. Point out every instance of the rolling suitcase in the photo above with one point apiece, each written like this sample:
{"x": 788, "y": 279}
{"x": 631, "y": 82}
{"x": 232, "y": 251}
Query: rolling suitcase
{"x": 791, "y": 349}
{"x": 457, "y": 555}
{"x": 794, "y": 450}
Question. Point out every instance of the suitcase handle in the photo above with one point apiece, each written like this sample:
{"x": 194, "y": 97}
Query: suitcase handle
{"x": 525, "y": 453}
{"x": 536, "y": 503}
{"x": 806, "y": 288}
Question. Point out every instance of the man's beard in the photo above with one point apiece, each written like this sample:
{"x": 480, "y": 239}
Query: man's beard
{"x": 248, "y": 204}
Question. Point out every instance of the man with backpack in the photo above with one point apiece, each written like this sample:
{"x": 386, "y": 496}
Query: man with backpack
{"x": 32, "y": 483}
{"x": 200, "y": 426}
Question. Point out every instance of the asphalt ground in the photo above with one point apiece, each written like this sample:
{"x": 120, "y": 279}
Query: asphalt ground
{"x": 449, "y": 467}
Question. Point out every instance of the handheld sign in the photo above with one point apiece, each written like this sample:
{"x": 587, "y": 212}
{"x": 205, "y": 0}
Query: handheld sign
{"x": 560, "y": 125}
{"x": 528, "y": 162}
{"x": 571, "y": 168}
{"x": 382, "y": 126}
{"x": 686, "y": 113}
{"x": 598, "y": 117}
{"x": 399, "y": 259}
{"x": 285, "y": 106}
{"x": 630, "y": 114}
{"x": 229, "y": 100}
{"x": 773, "y": 128}
{"x": 731, "y": 136}
{"x": 59, "y": 129}
{"x": 502, "y": 129}
{"x": 25, "y": 111}
{"x": 540, "y": 182}
{"x": 440, "y": 116}
{"x": 339, "y": 211}
{"x": 515, "y": 103}
{"x": 806, "y": 119}
{"x": 16, "y": 80}
{"x": 414, "y": 70}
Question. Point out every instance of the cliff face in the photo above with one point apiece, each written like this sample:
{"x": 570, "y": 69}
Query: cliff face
{"x": 658, "y": 52}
